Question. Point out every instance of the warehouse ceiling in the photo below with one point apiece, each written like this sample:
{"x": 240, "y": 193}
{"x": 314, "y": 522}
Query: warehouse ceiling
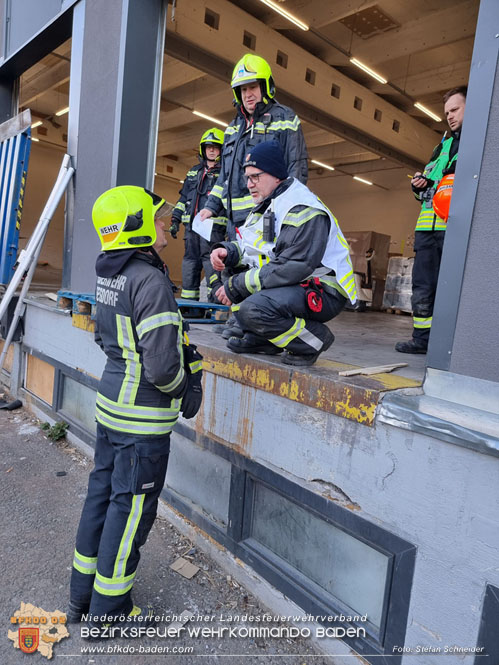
{"x": 351, "y": 121}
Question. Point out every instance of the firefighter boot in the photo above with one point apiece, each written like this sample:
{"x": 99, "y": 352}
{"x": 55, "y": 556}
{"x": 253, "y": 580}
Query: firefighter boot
{"x": 411, "y": 346}
{"x": 75, "y": 611}
{"x": 251, "y": 343}
{"x": 307, "y": 359}
{"x": 232, "y": 328}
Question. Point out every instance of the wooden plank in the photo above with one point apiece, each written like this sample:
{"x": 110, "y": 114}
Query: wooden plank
{"x": 380, "y": 369}
{"x": 40, "y": 378}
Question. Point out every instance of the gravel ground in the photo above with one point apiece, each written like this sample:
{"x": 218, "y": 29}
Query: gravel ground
{"x": 42, "y": 491}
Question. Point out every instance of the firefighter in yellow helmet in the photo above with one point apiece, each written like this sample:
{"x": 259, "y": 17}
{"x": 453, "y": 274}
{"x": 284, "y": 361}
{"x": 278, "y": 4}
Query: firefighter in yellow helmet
{"x": 198, "y": 184}
{"x": 151, "y": 376}
{"x": 259, "y": 118}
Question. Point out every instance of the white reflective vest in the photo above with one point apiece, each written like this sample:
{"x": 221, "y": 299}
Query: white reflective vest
{"x": 256, "y": 251}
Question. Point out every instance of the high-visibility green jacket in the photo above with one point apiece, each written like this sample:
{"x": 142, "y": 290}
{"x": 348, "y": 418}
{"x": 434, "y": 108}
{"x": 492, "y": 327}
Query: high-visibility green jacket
{"x": 442, "y": 162}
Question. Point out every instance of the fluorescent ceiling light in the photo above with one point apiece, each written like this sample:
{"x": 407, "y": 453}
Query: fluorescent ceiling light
{"x": 62, "y": 111}
{"x": 37, "y": 124}
{"x": 368, "y": 70}
{"x": 286, "y": 14}
{"x": 427, "y": 111}
{"x": 366, "y": 182}
{"x": 208, "y": 117}
{"x": 33, "y": 138}
{"x": 324, "y": 166}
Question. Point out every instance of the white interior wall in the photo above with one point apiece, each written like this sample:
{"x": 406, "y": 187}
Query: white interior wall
{"x": 360, "y": 207}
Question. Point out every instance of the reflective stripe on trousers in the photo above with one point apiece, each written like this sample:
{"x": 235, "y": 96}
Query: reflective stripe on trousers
{"x": 117, "y": 516}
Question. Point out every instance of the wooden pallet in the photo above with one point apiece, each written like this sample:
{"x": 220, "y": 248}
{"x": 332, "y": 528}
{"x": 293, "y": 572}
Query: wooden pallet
{"x": 82, "y": 306}
{"x": 202, "y": 312}
{"x": 398, "y": 311}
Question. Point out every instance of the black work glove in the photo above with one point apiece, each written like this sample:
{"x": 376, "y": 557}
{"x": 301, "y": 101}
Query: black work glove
{"x": 191, "y": 401}
{"x": 193, "y": 396}
{"x": 174, "y": 229}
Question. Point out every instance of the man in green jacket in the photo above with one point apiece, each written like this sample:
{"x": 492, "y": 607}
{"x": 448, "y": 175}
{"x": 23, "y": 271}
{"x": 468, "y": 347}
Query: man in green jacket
{"x": 430, "y": 228}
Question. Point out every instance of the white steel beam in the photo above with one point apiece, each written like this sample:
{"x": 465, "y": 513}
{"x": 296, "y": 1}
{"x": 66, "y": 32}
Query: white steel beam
{"x": 410, "y": 145}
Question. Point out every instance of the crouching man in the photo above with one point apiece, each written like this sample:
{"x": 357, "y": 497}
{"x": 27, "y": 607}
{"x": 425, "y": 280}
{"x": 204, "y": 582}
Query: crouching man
{"x": 297, "y": 270}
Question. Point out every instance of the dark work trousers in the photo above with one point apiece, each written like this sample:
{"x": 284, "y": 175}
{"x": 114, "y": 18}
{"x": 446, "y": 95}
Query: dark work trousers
{"x": 428, "y": 248}
{"x": 196, "y": 258}
{"x": 119, "y": 511}
{"x": 282, "y": 316}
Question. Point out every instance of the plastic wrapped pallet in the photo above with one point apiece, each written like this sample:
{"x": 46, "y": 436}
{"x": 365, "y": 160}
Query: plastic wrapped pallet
{"x": 398, "y": 286}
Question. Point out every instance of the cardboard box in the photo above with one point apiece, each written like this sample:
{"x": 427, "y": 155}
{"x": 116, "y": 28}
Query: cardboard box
{"x": 369, "y": 247}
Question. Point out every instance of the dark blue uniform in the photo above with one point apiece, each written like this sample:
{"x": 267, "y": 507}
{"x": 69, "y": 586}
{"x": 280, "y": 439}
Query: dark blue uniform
{"x": 138, "y": 402}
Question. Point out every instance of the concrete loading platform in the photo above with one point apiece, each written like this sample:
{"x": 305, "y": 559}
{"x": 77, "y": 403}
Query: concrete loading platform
{"x": 362, "y": 340}
{"x": 298, "y": 476}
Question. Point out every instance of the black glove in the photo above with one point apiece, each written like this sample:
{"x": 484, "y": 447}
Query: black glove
{"x": 191, "y": 401}
{"x": 174, "y": 229}
{"x": 193, "y": 396}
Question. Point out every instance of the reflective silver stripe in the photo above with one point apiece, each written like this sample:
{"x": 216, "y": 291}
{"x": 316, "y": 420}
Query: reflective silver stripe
{"x": 190, "y": 293}
{"x": 133, "y": 367}
{"x": 282, "y": 125}
{"x": 155, "y": 413}
{"x": 128, "y": 535}
{"x": 252, "y": 280}
{"x": 180, "y": 374}
{"x": 173, "y": 384}
{"x": 87, "y": 565}
{"x": 422, "y": 323}
{"x": 242, "y": 203}
{"x": 108, "y": 587}
{"x": 134, "y": 427}
{"x": 282, "y": 340}
{"x": 300, "y": 218}
{"x": 152, "y": 322}
{"x": 310, "y": 339}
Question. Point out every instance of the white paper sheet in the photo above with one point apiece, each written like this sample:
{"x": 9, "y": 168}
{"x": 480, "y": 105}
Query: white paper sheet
{"x": 202, "y": 227}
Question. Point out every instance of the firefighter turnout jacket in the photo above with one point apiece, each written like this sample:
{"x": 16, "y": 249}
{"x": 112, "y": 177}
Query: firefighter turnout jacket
{"x": 198, "y": 185}
{"x": 271, "y": 121}
{"x": 307, "y": 243}
{"x": 140, "y": 330}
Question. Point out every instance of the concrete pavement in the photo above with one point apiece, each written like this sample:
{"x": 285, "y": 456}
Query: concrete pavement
{"x": 42, "y": 490}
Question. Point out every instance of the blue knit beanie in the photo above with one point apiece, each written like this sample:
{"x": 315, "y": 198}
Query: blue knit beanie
{"x": 268, "y": 157}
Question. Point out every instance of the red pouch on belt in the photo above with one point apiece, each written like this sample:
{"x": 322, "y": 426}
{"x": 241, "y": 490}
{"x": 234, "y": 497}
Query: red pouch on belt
{"x": 313, "y": 293}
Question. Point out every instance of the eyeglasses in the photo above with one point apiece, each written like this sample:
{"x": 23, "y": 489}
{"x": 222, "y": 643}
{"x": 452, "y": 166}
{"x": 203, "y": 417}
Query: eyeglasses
{"x": 254, "y": 178}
